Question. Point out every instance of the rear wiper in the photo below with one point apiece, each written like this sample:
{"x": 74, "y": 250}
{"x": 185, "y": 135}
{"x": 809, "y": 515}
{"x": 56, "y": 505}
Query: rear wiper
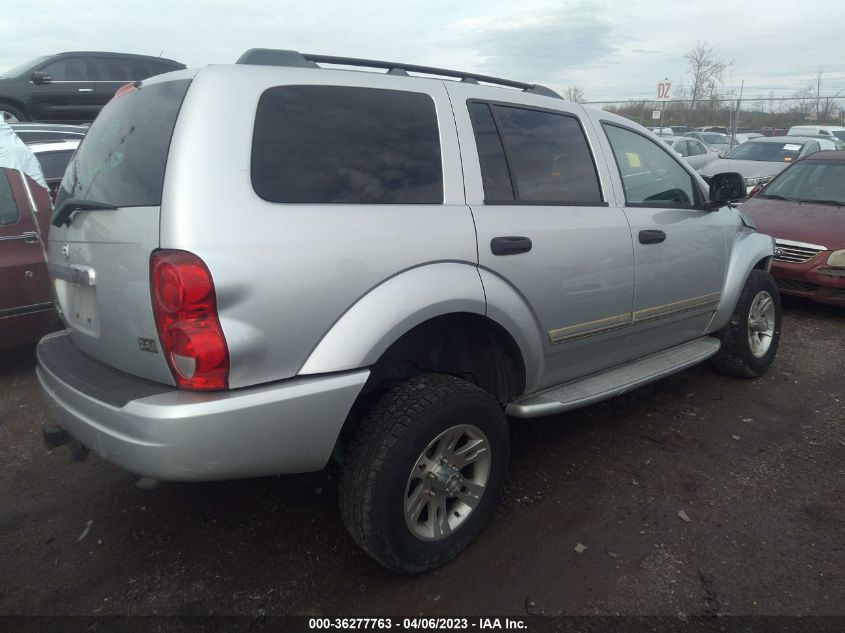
{"x": 68, "y": 207}
{"x": 837, "y": 203}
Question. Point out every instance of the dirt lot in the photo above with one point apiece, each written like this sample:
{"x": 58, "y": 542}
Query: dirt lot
{"x": 758, "y": 467}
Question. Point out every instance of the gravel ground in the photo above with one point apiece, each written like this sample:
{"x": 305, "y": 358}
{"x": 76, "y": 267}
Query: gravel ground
{"x": 697, "y": 495}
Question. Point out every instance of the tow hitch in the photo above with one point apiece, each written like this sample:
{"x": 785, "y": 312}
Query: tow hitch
{"x": 55, "y": 436}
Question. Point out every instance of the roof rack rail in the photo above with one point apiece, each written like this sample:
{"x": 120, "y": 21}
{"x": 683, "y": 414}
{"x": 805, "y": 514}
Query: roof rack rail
{"x": 279, "y": 57}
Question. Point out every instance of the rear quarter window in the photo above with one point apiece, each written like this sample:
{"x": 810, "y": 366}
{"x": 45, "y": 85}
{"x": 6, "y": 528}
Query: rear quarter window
{"x": 122, "y": 159}
{"x": 337, "y": 144}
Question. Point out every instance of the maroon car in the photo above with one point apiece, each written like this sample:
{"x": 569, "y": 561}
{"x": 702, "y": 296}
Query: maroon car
{"x": 803, "y": 208}
{"x": 26, "y": 304}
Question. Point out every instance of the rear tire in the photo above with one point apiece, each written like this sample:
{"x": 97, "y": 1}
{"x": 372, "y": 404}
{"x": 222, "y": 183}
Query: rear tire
{"x": 12, "y": 114}
{"x": 750, "y": 339}
{"x": 424, "y": 472}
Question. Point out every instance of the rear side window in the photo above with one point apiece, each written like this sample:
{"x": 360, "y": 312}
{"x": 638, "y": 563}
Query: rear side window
{"x": 650, "y": 175}
{"x": 533, "y": 156}
{"x": 8, "y": 206}
{"x": 121, "y": 160}
{"x": 114, "y": 69}
{"x": 695, "y": 148}
{"x": 337, "y": 144}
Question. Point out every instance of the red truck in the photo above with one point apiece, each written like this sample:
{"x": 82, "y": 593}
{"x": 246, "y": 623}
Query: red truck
{"x": 26, "y": 303}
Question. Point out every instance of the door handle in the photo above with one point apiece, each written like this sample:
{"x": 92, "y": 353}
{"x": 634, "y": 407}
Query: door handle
{"x": 30, "y": 237}
{"x": 510, "y": 245}
{"x": 652, "y": 236}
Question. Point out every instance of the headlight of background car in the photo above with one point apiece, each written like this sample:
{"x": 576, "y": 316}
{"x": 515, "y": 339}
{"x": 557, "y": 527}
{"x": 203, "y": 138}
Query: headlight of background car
{"x": 837, "y": 259}
{"x": 750, "y": 182}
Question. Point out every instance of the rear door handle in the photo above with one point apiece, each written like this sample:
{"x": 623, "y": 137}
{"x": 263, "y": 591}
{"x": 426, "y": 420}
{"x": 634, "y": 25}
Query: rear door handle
{"x": 510, "y": 245}
{"x": 652, "y": 236}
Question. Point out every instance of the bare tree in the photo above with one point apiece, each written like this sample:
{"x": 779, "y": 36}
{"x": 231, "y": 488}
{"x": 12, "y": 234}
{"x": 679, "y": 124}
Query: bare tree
{"x": 574, "y": 94}
{"x": 707, "y": 70}
{"x": 825, "y": 107}
{"x": 804, "y": 101}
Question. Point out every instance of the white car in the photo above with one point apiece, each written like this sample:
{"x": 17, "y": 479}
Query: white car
{"x": 54, "y": 157}
{"x": 696, "y": 153}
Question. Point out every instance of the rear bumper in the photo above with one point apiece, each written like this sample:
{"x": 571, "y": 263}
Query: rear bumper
{"x": 285, "y": 427}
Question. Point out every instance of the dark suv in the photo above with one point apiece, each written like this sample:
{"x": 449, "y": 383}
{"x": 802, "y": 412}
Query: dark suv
{"x": 72, "y": 87}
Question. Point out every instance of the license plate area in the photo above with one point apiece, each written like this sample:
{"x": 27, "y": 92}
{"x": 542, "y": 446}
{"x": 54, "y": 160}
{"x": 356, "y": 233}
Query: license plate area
{"x": 79, "y": 306}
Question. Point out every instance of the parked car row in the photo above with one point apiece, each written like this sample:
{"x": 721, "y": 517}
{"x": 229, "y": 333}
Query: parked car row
{"x": 760, "y": 159}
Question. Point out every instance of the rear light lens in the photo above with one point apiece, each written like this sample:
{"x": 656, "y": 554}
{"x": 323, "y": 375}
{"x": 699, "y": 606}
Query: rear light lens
{"x": 125, "y": 88}
{"x": 185, "y": 309}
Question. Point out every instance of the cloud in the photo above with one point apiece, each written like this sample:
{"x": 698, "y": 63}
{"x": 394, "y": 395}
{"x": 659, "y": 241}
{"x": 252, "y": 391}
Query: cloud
{"x": 537, "y": 46}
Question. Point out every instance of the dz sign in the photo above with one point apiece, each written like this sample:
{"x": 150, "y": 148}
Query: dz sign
{"x": 664, "y": 91}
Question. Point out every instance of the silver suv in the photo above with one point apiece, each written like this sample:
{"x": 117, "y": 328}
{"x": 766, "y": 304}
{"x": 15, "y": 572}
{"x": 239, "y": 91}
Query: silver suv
{"x": 267, "y": 265}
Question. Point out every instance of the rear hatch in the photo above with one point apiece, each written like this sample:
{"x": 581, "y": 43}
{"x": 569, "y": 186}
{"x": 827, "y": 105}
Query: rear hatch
{"x": 106, "y": 225}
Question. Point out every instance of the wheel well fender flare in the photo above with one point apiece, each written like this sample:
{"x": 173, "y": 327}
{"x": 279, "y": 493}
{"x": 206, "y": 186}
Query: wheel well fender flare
{"x": 750, "y": 250}
{"x": 382, "y": 315}
{"x": 511, "y": 311}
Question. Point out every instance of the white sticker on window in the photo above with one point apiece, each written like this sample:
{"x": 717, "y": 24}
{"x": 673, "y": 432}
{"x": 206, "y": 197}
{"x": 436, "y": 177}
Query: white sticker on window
{"x": 791, "y": 147}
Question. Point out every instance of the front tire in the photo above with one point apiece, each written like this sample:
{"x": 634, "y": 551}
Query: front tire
{"x": 750, "y": 339}
{"x": 424, "y": 473}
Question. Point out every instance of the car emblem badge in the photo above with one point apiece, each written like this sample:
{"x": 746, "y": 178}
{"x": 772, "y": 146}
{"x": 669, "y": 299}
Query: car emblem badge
{"x": 65, "y": 251}
{"x": 778, "y": 251}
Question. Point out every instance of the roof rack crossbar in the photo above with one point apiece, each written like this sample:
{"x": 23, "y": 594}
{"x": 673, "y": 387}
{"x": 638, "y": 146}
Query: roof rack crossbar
{"x": 273, "y": 57}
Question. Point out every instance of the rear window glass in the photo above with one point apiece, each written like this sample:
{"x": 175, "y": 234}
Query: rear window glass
{"x": 336, "y": 144}
{"x": 8, "y": 206}
{"x": 122, "y": 159}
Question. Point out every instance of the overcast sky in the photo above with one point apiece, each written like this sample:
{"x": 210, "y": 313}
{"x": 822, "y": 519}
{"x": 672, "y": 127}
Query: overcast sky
{"x": 612, "y": 49}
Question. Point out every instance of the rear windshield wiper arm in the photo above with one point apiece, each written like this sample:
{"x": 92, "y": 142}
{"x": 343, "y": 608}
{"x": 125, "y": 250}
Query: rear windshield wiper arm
{"x": 66, "y": 210}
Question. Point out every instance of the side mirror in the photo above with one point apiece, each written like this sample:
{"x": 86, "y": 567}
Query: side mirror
{"x": 39, "y": 78}
{"x": 725, "y": 188}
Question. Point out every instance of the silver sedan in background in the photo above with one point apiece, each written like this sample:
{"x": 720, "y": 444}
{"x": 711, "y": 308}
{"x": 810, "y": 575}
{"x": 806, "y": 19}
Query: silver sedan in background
{"x": 696, "y": 153}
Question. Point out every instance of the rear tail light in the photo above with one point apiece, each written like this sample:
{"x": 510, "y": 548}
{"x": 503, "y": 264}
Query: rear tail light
{"x": 185, "y": 309}
{"x": 125, "y": 88}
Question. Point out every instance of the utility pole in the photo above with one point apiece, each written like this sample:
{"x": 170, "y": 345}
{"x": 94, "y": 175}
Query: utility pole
{"x": 736, "y": 116}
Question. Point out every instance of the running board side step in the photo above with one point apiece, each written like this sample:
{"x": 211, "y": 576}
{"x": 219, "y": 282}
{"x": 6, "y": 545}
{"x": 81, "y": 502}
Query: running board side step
{"x": 615, "y": 381}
